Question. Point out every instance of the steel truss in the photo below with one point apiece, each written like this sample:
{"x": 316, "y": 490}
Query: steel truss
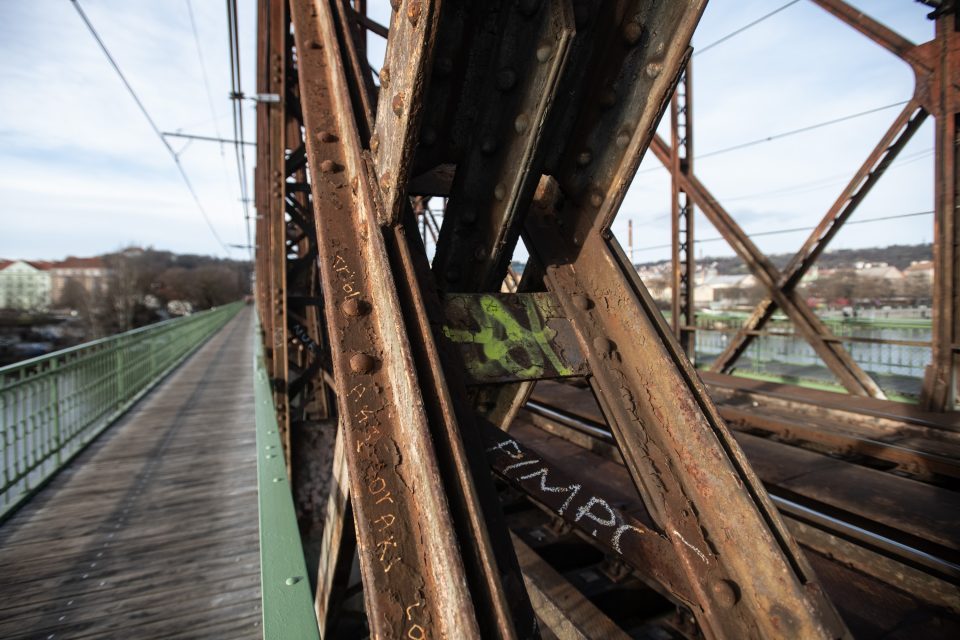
{"x": 530, "y": 118}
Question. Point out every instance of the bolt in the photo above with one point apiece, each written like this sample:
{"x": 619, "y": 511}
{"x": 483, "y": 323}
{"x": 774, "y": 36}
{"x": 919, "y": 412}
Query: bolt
{"x": 521, "y": 123}
{"x": 397, "y": 104}
{"x": 602, "y": 344}
{"x": 581, "y": 302}
{"x": 632, "y": 32}
{"x": 623, "y": 138}
{"x": 528, "y": 7}
{"x": 654, "y": 69}
{"x": 506, "y": 78}
{"x": 428, "y": 137}
{"x": 443, "y": 66}
{"x": 596, "y": 198}
{"x": 414, "y": 10}
{"x": 544, "y": 51}
{"x": 355, "y": 307}
{"x": 488, "y": 145}
{"x": 326, "y": 136}
{"x": 313, "y": 44}
{"x": 726, "y": 593}
{"x": 292, "y": 580}
{"x": 328, "y": 166}
{"x": 362, "y": 363}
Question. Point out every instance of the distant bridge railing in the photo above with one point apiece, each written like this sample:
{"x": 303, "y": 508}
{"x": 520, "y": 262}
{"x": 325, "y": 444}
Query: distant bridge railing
{"x": 52, "y": 406}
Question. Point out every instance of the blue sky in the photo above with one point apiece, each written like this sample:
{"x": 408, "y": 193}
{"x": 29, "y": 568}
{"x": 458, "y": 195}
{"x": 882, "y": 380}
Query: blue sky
{"x": 82, "y": 173}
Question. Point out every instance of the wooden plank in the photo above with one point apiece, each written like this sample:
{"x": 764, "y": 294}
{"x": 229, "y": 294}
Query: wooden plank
{"x": 153, "y": 530}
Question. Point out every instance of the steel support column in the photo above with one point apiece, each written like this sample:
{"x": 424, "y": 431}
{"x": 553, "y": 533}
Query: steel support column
{"x": 683, "y": 266}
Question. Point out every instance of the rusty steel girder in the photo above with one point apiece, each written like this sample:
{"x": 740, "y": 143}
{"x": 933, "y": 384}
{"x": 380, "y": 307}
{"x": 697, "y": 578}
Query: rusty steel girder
{"x": 530, "y": 118}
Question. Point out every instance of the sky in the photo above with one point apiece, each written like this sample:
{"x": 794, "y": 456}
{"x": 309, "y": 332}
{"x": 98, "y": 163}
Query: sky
{"x": 81, "y": 171}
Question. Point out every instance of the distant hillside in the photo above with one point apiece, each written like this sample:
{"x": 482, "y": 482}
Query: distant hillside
{"x": 897, "y": 255}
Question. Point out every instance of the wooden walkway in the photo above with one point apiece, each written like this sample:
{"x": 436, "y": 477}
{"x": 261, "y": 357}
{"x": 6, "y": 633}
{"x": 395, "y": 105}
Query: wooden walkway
{"x": 151, "y": 532}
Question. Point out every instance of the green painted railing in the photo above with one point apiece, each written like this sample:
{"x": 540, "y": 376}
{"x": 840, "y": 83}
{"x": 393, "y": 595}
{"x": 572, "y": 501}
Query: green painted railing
{"x": 52, "y": 406}
{"x": 287, "y": 599}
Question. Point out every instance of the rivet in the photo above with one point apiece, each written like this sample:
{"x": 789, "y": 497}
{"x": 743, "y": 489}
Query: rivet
{"x": 277, "y": 174}
{"x": 608, "y": 98}
{"x": 654, "y": 69}
{"x": 362, "y": 363}
{"x": 602, "y": 345}
{"x": 521, "y": 123}
{"x": 506, "y": 78}
{"x": 632, "y": 33}
{"x": 397, "y": 104}
{"x": 414, "y": 9}
{"x": 313, "y": 44}
{"x": 328, "y": 166}
{"x": 584, "y": 158}
{"x": 292, "y": 580}
{"x": 386, "y": 181}
{"x": 443, "y": 66}
{"x": 596, "y": 198}
{"x": 374, "y": 143}
{"x": 355, "y": 307}
{"x": 500, "y": 191}
{"x": 385, "y": 76}
{"x": 326, "y": 136}
{"x": 623, "y": 138}
{"x": 544, "y": 51}
{"x": 428, "y": 137}
{"x": 452, "y": 274}
{"x": 278, "y": 479}
{"x": 725, "y": 592}
{"x": 271, "y": 455}
{"x": 581, "y": 302}
{"x": 577, "y": 240}
{"x": 488, "y": 145}
{"x": 528, "y": 7}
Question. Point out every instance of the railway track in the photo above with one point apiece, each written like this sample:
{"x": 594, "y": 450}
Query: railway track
{"x": 879, "y": 526}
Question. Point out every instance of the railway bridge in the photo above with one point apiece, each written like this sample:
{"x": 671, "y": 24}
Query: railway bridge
{"x": 431, "y": 445}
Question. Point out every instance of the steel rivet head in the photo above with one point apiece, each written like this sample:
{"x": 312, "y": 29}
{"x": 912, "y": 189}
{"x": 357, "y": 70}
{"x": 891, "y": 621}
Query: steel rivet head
{"x": 500, "y": 191}
{"x": 521, "y": 123}
{"x": 385, "y": 76}
{"x": 584, "y": 158}
{"x": 374, "y": 143}
{"x": 654, "y": 69}
{"x": 386, "y": 181}
{"x": 278, "y": 479}
{"x": 362, "y": 363}
{"x": 443, "y": 66}
{"x": 428, "y": 137}
{"x": 528, "y": 7}
{"x": 726, "y": 593}
{"x": 506, "y": 78}
{"x": 596, "y": 198}
{"x": 581, "y": 302}
{"x": 632, "y": 32}
{"x": 544, "y": 51}
{"x": 397, "y": 104}
{"x": 292, "y": 580}
{"x": 602, "y": 345}
{"x": 313, "y": 44}
{"x": 354, "y": 307}
{"x": 326, "y": 136}
{"x": 414, "y": 9}
{"x": 488, "y": 146}
{"x": 328, "y": 166}
{"x": 623, "y": 138}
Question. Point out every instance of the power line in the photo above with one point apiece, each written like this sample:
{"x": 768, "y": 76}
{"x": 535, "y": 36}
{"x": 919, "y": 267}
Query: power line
{"x": 236, "y": 95}
{"x": 744, "y": 28}
{"x": 190, "y": 136}
{"x": 792, "y": 132}
{"x": 153, "y": 124}
{"x": 775, "y": 232}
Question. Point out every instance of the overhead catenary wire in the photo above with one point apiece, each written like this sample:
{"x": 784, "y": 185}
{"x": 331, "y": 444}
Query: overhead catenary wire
{"x": 236, "y": 97}
{"x": 745, "y": 27}
{"x": 774, "y": 232}
{"x": 152, "y": 122}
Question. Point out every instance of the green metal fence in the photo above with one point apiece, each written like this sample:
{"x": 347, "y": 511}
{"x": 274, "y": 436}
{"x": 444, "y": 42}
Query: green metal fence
{"x": 54, "y": 405}
{"x": 287, "y": 599}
